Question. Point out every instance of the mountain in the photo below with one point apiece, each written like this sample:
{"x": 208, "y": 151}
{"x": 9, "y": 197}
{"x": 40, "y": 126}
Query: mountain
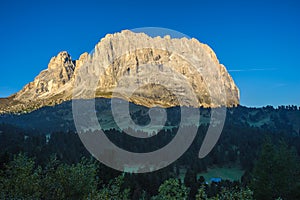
{"x": 147, "y": 71}
{"x": 48, "y": 88}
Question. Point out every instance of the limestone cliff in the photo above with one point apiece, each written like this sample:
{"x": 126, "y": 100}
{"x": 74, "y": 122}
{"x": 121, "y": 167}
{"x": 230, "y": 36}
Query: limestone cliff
{"x": 161, "y": 71}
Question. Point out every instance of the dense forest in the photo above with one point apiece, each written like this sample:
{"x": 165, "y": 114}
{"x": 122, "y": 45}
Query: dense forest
{"x": 39, "y": 164}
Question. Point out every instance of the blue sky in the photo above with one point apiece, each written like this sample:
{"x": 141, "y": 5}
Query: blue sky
{"x": 258, "y": 41}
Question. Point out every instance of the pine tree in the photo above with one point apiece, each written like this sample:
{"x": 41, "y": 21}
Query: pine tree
{"x": 276, "y": 173}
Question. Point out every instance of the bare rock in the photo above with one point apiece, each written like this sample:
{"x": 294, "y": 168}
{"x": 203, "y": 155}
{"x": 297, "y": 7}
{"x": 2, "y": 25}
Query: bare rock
{"x": 136, "y": 67}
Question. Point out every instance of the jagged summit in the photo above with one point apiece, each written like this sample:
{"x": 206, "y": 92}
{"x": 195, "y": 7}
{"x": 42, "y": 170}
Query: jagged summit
{"x": 59, "y": 72}
{"x": 133, "y": 60}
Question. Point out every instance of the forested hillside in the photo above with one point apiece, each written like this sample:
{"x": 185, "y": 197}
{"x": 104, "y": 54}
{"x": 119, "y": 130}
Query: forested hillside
{"x": 264, "y": 143}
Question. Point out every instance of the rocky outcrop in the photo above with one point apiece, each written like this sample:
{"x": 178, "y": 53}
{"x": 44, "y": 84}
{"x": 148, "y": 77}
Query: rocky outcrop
{"x": 133, "y": 66}
{"x": 60, "y": 71}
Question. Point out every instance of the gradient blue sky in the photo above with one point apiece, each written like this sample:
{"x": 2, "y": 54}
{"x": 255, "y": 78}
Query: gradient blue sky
{"x": 258, "y": 41}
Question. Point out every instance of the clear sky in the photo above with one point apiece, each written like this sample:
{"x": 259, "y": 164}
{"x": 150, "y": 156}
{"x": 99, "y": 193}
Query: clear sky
{"x": 258, "y": 41}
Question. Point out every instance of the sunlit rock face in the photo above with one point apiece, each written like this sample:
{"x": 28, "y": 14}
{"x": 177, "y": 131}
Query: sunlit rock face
{"x": 48, "y": 82}
{"x": 136, "y": 67}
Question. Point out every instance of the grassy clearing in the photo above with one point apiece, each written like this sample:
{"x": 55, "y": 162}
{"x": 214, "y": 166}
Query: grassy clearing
{"x": 226, "y": 173}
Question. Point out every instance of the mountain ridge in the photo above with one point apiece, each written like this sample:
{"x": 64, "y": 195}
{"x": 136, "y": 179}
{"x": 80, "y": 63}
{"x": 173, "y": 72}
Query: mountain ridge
{"x": 157, "y": 57}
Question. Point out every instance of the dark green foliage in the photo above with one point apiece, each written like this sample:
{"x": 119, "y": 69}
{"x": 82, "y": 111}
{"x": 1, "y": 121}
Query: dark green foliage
{"x": 21, "y": 179}
{"x": 76, "y": 181}
{"x": 226, "y": 194}
{"x": 172, "y": 189}
{"x": 190, "y": 180}
{"x": 114, "y": 190}
{"x": 276, "y": 173}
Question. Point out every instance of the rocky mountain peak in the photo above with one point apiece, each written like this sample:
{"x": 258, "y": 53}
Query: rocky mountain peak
{"x": 129, "y": 60}
{"x": 63, "y": 58}
{"x": 133, "y": 60}
{"x": 63, "y": 64}
{"x": 82, "y": 58}
{"x": 51, "y": 80}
